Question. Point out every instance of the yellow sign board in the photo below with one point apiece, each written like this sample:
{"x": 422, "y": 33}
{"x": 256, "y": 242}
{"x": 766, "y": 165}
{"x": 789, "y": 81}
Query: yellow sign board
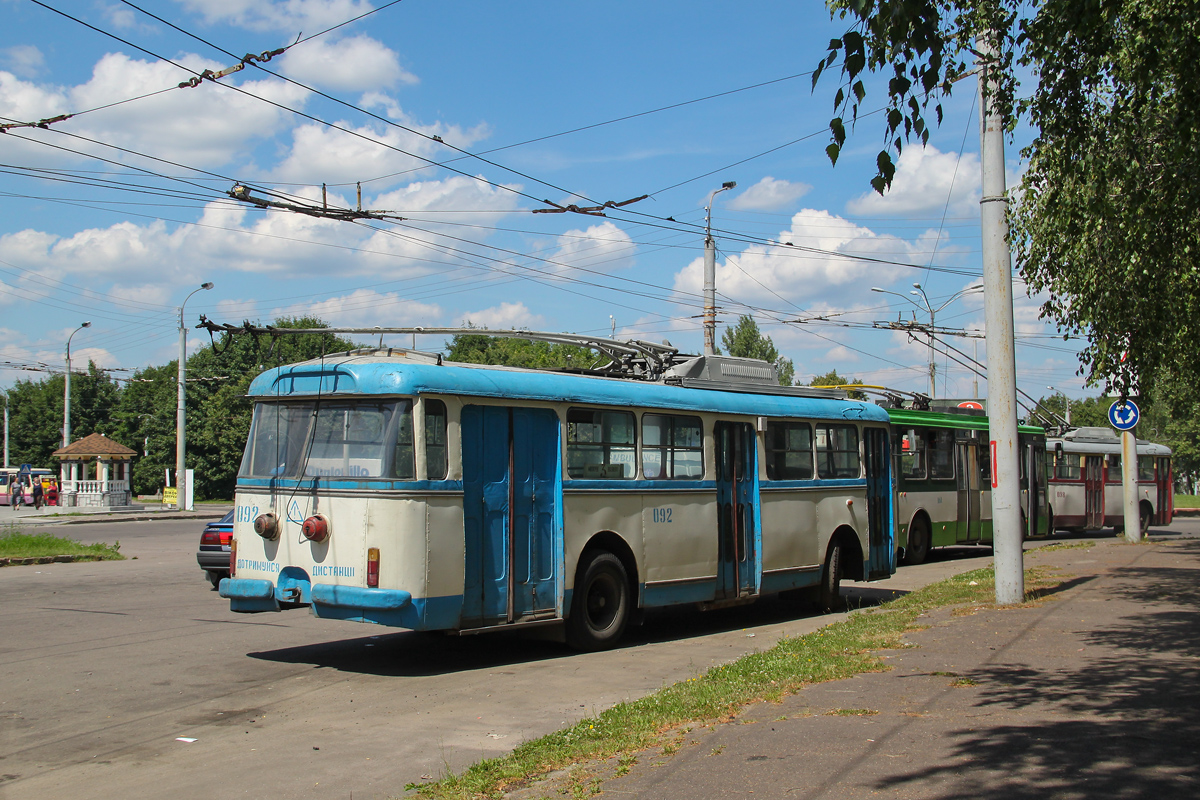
{"x": 170, "y": 496}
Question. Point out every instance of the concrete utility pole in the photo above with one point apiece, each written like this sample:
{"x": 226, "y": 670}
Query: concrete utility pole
{"x": 1129, "y": 487}
{"x": 710, "y": 274}
{"x": 67, "y": 390}
{"x": 181, "y": 409}
{"x": 1007, "y": 536}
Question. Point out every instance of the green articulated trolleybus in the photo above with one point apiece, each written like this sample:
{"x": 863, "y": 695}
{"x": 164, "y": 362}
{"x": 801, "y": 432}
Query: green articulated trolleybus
{"x": 943, "y": 473}
{"x": 390, "y": 487}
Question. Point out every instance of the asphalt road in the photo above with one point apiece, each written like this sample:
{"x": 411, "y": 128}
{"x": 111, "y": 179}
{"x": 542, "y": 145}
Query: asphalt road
{"x": 106, "y": 665}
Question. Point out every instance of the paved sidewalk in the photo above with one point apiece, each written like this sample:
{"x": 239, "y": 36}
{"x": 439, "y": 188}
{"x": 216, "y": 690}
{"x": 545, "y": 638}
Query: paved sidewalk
{"x": 1094, "y": 692}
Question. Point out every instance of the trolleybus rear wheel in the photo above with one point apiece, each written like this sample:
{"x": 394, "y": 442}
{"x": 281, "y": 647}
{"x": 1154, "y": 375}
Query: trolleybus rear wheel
{"x": 917, "y": 549}
{"x": 829, "y": 595}
{"x": 1144, "y": 519}
{"x": 599, "y": 604}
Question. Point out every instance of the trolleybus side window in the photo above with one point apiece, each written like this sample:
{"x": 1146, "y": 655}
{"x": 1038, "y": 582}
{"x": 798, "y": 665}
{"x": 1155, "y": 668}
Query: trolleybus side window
{"x": 435, "y": 439}
{"x": 278, "y": 439}
{"x": 1145, "y": 468}
{"x": 601, "y": 444}
{"x": 941, "y": 454}
{"x": 1066, "y": 467}
{"x": 912, "y": 455}
{"x": 837, "y": 451}
{"x": 672, "y": 447}
{"x": 1114, "y": 467}
{"x": 789, "y": 451}
{"x": 351, "y": 440}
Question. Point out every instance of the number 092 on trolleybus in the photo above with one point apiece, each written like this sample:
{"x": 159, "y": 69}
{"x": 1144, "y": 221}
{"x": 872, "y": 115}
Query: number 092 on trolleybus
{"x": 385, "y": 486}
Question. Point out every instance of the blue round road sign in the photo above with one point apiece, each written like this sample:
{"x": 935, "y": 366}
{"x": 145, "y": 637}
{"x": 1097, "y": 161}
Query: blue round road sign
{"x": 1124, "y": 416}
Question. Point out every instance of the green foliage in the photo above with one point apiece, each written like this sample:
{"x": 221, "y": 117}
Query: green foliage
{"x": 483, "y": 349}
{"x": 745, "y": 340}
{"x": 36, "y": 414}
{"x": 1108, "y": 221}
{"x": 832, "y": 378}
{"x": 15, "y": 543}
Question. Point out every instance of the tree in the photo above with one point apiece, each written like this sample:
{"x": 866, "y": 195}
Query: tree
{"x": 745, "y": 340}
{"x": 484, "y": 349}
{"x": 832, "y": 378}
{"x": 1107, "y": 224}
{"x": 36, "y": 416}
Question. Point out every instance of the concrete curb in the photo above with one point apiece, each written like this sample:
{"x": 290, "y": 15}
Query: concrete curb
{"x": 19, "y": 562}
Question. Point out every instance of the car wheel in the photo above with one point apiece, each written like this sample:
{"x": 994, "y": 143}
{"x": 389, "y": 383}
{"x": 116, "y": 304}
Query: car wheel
{"x": 600, "y": 604}
{"x": 214, "y": 577}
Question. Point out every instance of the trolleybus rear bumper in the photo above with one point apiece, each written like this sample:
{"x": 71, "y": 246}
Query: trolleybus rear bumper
{"x": 249, "y": 596}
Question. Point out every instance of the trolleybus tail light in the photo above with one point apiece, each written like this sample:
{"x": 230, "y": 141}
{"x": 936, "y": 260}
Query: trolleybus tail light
{"x": 316, "y": 528}
{"x": 232, "y": 557}
{"x": 266, "y": 525}
{"x": 373, "y": 568}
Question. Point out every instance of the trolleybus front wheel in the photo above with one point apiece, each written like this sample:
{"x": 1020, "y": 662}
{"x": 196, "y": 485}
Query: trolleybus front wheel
{"x": 917, "y": 549}
{"x": 600, "y": 604}
{"x": 829, "y": 594}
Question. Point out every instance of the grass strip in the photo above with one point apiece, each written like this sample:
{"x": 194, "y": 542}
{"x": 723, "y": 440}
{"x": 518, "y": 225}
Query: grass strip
{"x": 837, "y": 651}
{"x": 1187, "y": 501}
{"x": 15, "y": 544}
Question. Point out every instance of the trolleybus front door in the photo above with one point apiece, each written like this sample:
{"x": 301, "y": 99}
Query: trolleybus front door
{"x": 969, "y": 520}
{"x": 510, "y": 506}
{"x": 1093, "y": 491}
{"x": 881, "y": 558}
{"x": 737, "y": 498}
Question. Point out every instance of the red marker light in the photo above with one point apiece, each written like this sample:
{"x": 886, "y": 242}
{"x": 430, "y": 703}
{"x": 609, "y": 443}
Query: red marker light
{"x": 373, "y": 568}
{"x": 232, "y": 557}
{"x": 266, "y": 525}
{"x": 315, "y": 528}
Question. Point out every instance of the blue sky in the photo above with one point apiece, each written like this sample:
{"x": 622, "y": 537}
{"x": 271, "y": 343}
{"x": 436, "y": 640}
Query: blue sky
{"x": 92, "y": 235}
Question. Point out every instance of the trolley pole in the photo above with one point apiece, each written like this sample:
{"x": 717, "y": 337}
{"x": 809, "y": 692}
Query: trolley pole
{"x": 1001, "y": 355}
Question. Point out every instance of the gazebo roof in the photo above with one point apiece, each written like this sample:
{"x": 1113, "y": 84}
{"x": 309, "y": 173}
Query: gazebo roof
{"x": 97, "y": 444}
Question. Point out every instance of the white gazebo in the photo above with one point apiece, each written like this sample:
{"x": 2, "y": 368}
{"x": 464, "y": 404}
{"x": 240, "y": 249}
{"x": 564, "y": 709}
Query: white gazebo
{"x": 95, "y": 472}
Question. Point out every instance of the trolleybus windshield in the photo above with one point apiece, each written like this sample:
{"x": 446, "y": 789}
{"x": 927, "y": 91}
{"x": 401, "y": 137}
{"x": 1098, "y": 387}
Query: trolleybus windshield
{"x": 355, "y": 439}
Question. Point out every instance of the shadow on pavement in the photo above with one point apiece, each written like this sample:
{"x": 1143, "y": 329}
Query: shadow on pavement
{"x": 1122, "y": 723}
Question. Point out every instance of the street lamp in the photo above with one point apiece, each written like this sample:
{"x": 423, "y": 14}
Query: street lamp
{"x": 927, "y": 306}
{"x": 710, "y": 274}
{"x": 67, "y": 389}
{"x": 1066, "y": 402}
{"x": 181, "y": 410}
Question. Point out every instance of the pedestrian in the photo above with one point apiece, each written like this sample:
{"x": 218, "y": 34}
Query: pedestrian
{"x": 17, "y": 494}
{"x": 37, "y": 493}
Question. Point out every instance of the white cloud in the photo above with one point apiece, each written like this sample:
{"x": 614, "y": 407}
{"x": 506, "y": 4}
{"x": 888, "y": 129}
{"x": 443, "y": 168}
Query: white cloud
{"x": 365, "y": 308}
{"x": 769, "y": 194}
{"x": 23, "y": 59}
{"x": 357, "y": 63}
{"x": 923, "y": 181}
{"x": 289, "y": 16}
{"x": 203, "y": 126}
{"x": 765, "y": 273}
{"x": 321, "y": 154}
{"x": 504, "y": 317}
{"x": 602, "y": 247}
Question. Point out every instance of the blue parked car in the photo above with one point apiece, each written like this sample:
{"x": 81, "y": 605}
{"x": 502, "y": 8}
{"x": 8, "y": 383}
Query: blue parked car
{"x": 213, "y": 555}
